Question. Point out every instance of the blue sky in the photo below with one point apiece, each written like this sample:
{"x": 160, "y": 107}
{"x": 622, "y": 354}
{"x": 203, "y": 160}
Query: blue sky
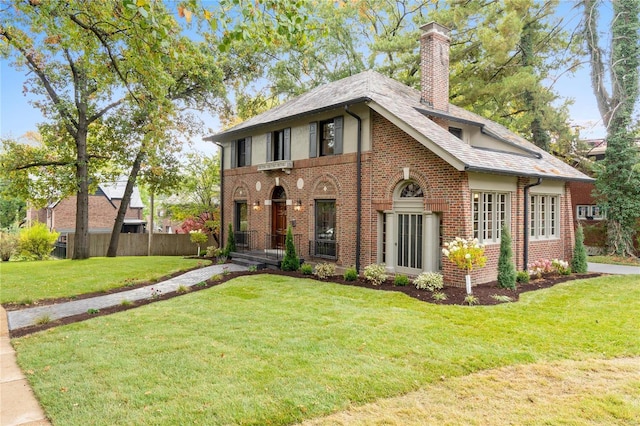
{"x": 17, "y": 116}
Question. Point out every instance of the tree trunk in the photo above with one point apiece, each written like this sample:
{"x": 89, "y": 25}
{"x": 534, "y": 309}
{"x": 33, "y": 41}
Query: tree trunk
{"x": 81, "y": 238}
{"x": 124, "y": 204}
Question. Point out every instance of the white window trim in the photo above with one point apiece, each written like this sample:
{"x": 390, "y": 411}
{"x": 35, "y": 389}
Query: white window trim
{"x": 589, "y": 212}
{"x": 496, "y": 220}
{"x": 546, "y": 224}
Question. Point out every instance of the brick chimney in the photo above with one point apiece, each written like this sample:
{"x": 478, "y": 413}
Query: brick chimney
{"x": 434, "y": 66}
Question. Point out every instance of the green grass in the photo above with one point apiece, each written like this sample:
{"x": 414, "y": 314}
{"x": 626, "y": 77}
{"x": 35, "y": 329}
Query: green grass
{"x": 614, "y": 260}
{"x": 49, "y": 279}
{"x": 267, "y": 349}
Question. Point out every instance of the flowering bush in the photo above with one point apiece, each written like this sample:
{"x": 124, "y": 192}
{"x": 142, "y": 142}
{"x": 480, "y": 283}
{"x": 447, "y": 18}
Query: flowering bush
{"x": 539, "y": 267}
{"x": 561, "y": 266}
{"x": 465, "y": 254}
{"x": 431, "y": 281}
{"x": 376, "y": 273}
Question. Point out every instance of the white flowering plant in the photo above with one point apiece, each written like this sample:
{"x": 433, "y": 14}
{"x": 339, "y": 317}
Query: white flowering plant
{"x": 465, "y": 254}
{"x": 561, "y": 266}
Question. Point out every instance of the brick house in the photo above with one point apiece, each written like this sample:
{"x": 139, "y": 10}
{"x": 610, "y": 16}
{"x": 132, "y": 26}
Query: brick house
{"x": 367, "y": 170}
{"x": 103, "y": 209}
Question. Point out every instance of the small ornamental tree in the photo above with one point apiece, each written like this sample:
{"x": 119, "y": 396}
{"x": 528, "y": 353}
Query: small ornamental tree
{"x": 198, "y": 237}
{"x": 579, "y": 261}
{"x": 231, "y": 242}
{"x": 506, "y": 269}
{"x": 290, "y": 261}
{"x": 465, "y": 254}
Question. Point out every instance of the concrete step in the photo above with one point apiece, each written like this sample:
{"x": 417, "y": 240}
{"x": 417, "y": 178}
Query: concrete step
{"x": 248, "y": 263}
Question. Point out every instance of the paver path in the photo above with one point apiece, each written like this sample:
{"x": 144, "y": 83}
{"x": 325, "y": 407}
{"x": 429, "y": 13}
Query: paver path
{"x": 26, "y": 317}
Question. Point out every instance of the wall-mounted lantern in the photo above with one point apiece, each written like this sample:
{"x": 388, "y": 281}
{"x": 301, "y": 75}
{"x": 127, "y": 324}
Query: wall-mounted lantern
{"x": 256, "y": 205}
{"x": 298, "y": 206}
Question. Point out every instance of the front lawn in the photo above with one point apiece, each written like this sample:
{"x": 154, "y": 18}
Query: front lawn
{"x": 270, "y": 349}
{"x": 28, "y": 282}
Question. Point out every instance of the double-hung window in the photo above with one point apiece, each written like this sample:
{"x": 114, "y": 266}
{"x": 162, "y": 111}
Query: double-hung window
{"x": 279, "y": 145}
{"x": 241, "y": 152}
{"x": 544, "y": 216}
{"x": 325, "y": 137}
{"x": 490, "y": 213}
{"x": 589, "y": 212}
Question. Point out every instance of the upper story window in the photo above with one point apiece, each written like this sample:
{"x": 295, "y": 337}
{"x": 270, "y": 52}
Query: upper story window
{"x": 456, "y": 132}
{"x": 279, "y": 145}
{"x": 589, "y": 212}
{"x": 241, "y": 152}
{"x": 544, "y": 216}
{"x": 325, "y": 137}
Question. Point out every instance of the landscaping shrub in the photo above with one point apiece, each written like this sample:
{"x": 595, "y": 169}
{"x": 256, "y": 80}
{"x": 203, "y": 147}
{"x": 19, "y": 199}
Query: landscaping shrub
{"x": 506, "y": 267}
{"x": 213, "y": 252}
{"x": 539, "y": 267}
{"x": 324, "y": 270}
{"x": 231, "y": 242}
{"x": 198, "y": 237}
{"x": 36, "y": 242}
{"x": 579, "y": 261}
{"x": 306, "y": 269}
{"x": 8, "y": 245}
{"x": 375, "y": 273}
{"x": 350, "y": 274}
{"x": 522, "y": 277}
{"x": 431, "y": 281}
{"x": 291, "y": 262}
{"x": 401, "y": 280}
{"x": 561, "y": 266}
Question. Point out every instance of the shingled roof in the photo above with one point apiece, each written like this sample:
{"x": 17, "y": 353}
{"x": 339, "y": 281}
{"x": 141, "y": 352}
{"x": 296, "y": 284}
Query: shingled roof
{"x": 401, "y": 105}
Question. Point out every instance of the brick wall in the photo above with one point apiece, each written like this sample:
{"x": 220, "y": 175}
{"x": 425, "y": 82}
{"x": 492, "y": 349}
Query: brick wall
{"x": 446, "y": 193}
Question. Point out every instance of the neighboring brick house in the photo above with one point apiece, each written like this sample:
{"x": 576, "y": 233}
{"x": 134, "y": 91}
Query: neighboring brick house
{"x": 367, "y": 170}
{"x": 103, "y": 209}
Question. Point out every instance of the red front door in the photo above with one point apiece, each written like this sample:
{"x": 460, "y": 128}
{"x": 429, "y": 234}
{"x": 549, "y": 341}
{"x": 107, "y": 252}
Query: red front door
{"x": 279, "y": 224}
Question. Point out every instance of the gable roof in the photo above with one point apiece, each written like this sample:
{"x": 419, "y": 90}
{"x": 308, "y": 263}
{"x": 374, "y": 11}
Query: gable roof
{"x": 115, "y": 191}
{"x": 401, "y": 105}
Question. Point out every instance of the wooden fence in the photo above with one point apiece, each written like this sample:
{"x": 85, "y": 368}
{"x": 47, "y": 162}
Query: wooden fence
{"x": 137, "y": 245}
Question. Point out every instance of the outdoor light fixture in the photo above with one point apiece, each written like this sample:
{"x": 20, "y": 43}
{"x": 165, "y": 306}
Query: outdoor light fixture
{"x": 298, "y": 206}
{"x": 256, "y": 205}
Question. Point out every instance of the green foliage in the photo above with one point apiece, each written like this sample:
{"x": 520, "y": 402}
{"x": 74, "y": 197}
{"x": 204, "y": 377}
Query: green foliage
{"x": 471, "y": 300}
{"x": 401, "y": 280}
{"x": 579, "y": 260}
{"x": 438, "y": 296}
{"x": 231, "y": 242}
{"x": 523, "y": 277}
{"x": 506, "y": 268}
{"x": 213, "y": 251}
{"x": 93, "y": 311}
{"x": 182, "y": 289}
{"x": 12, "y": 211}
{"x": 324, "y": 270}
{"x": 376, "y": 274}
{"x": 618, "y": 178}
{"x": 431, "y": 281}
{"x": 291, "y": 262}
{"x": 350, "y": 274}
{"x": 8, "y": 245}
{"x": 502, "y": 298}
{"x": 36, "y": 242}
{"x": 306, "y": 269}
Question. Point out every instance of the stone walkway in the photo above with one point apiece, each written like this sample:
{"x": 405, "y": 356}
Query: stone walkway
{"x": 26, "y": 317}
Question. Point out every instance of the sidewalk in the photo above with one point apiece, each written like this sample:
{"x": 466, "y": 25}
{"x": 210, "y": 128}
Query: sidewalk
{"x": 26, "y": 317}
{"x": 18, "y": 405}
{"x": 613, "y": 269}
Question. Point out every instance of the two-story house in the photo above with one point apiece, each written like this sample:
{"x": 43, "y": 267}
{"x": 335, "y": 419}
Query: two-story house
{"x": 367, "y": 170}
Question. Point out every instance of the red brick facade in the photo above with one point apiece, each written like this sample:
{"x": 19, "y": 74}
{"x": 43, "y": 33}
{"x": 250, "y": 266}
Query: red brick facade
{"x": 446, "y": 194}
{"x": 102, "y": 214}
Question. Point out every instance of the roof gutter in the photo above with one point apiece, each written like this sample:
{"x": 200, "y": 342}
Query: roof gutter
{"x": 525, "y": 255}
{"x": 232, "y": 133}
{"x": 358, "y": 186}
{"x": 469, "y": 168}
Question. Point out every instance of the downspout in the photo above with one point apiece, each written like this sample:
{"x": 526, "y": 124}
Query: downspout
{"x": 358, "y": 186}
{"x": 221, "y": 194}
{"x": 525, "y": 254}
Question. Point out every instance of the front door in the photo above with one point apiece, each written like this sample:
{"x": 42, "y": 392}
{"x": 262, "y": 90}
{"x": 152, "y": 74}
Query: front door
{"x": 279, "y": 224}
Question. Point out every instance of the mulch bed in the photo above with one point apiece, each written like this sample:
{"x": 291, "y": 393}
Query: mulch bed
{"x": 455, "y": 295}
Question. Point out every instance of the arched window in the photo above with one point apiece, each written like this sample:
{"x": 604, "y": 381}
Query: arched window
{"x": 412, "y": 190}
{"x": 279, "y": 193}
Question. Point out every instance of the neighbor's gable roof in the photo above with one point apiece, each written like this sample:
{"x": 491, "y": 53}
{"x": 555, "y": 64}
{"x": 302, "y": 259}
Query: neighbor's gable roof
{"x": 115, "y": 191}
{"x": 401, "y": 105}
